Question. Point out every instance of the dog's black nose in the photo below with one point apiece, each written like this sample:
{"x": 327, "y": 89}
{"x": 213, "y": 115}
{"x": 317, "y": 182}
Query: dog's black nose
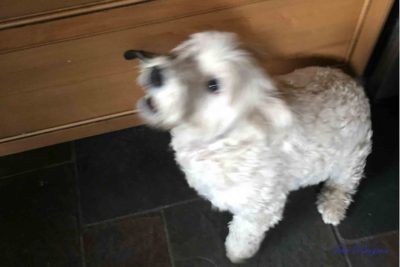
{"x": 156, "y": 78}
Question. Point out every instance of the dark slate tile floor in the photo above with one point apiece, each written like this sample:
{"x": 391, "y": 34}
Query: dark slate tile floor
{"x": 34, "y": 159}
{"x": 118, "y": 199}
{"x": 379, "y": 192}
{"x": 39, "y": 219}
{"x": 126, "y": 172}
{"x": 133, "y": 241}
{"x": 381, "y": 250}
{"x": 197, "y": 235}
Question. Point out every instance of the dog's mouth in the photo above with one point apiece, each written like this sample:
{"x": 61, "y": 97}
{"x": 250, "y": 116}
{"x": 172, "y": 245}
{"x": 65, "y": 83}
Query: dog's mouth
{"x": 148, "y": 103}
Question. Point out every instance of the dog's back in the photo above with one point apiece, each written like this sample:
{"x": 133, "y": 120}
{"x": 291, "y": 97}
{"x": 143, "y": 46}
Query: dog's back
{"x": 333, "y": 114}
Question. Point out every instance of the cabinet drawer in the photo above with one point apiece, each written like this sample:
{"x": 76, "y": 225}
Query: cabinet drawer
{"x": 22, "y": 12}
{"x": 70, "y": 86}
{"x": 10, "y": 9}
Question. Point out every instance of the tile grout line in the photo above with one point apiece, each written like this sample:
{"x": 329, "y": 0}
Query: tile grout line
{"x": 37, "y": 169}
{"x": 171, "y": 258}
{"x": 339, "y": 241}
{"x": 78, "y": 196}
{"x": 366, "y": 238}
{"x": 158, "y": 209}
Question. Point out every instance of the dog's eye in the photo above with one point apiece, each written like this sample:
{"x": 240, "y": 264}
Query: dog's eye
{"x": 213, "y": 86}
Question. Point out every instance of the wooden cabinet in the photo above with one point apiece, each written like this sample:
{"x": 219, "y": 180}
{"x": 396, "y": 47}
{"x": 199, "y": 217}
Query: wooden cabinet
{"x": 63, "y": 76}
{"x": 12, "y": 10}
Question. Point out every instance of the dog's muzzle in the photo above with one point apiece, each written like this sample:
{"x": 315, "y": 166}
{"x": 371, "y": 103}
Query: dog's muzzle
{"x": 155, "y": 79}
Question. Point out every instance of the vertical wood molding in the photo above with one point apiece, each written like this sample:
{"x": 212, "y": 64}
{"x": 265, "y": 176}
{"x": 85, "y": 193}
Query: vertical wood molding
{"x": 357, "y": 30}
{"x": 369, "y": 31}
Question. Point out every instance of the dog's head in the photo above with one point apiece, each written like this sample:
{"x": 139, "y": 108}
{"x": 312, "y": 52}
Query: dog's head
{"x": 208, "y": 82}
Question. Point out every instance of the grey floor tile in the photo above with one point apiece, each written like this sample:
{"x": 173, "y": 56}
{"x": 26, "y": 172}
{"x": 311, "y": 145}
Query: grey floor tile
{"x": 34, "y": 159}
{"x": 376, "y": 207}
{"x": 197, "y": 235}
{"x": 38, "y": 221}
{"x": 129, "y": 242}
{"x": 126, "y": 172}
{"x": 380, "y": 250}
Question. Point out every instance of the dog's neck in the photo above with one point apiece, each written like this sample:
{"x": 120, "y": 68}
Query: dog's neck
{"x": 187, "y": 137}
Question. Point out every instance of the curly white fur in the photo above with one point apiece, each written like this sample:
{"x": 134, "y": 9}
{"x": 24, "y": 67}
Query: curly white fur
{"x": 248, "y": 145}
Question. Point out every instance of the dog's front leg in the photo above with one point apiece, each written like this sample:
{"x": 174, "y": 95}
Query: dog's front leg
{"x": 247, "y": 230}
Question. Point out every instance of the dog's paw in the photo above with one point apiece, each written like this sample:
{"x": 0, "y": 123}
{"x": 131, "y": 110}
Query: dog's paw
{"x": 233, "y": 258}
{"x": 236, "y": 254}
{"x": 240, "y": 247}
{"x": 332, "y": 213}
{"x": 332, "y": 204}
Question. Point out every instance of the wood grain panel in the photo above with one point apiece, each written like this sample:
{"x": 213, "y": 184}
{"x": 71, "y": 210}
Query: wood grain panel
{"x": 371, "y": 22}
{"x": 33, "y": 111}
{"x": 109, "y": 20}
{"x": 11, "y": 8}
{"x": 23, "y": 12}
{"x": 87, "y": 78}
{"x": 77, "y": 84}
{"x": 69, "y": 133}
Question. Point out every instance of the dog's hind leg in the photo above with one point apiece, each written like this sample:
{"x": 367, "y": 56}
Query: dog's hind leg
{"x": 337, "y": 192}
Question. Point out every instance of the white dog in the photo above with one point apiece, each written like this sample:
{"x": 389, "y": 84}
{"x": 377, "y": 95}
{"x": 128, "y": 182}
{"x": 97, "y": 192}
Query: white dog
{"x": 245, "y": 140}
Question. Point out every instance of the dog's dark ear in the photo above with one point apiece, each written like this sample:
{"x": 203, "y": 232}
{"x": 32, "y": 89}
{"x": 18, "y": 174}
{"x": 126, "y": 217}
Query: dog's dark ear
{"x": 139, "y": 54}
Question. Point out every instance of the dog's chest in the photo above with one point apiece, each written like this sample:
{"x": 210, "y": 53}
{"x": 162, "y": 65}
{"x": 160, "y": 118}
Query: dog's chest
{"x": 221, "y": 174}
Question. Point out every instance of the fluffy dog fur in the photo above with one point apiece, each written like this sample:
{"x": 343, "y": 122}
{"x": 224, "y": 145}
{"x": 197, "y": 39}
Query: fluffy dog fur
{"x": 247, "y": 145}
